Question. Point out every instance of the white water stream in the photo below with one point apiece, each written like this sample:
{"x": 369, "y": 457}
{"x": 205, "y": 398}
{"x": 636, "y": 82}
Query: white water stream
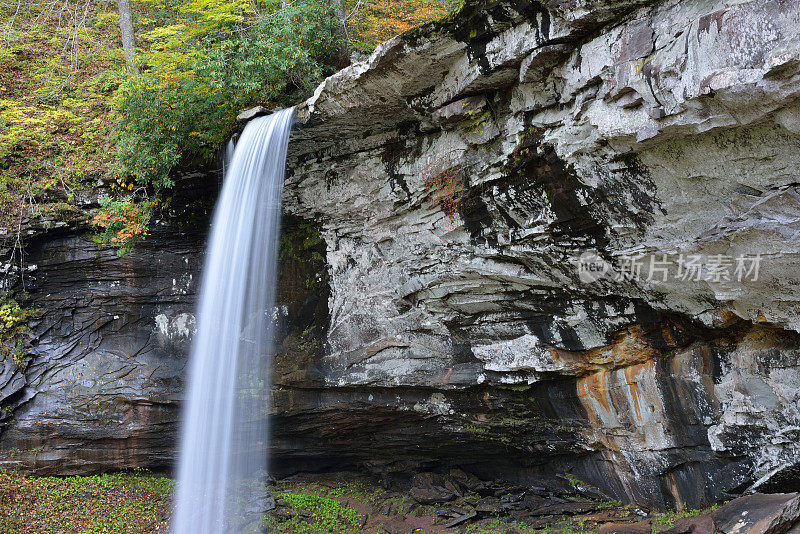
{"x": 223, "y": 446}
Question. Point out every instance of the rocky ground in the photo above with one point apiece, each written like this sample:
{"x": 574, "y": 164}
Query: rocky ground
{"x": 351, "y": 503}
{"x": 433, "y": 503}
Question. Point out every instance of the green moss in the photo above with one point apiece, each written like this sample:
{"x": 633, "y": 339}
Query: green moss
{"x": 316, "y": 514}
{"x": 301, "y": 242}
{"x": 515, "y": 387}
{"x": 477, "y": 430}
{"x": 299, "y": 239}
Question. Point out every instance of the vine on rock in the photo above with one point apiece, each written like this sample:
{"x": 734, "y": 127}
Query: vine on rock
{"x": 444, "y": 184}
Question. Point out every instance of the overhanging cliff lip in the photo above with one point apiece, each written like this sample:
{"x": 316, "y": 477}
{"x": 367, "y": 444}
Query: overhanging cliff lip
{"x": 379, "y": 93}
{"x": 411, "y": 75}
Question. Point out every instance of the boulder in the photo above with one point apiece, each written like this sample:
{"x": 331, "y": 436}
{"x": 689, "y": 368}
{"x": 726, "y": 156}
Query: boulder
{"x": 759, "y": 514}
{"x": 252, "y": 113}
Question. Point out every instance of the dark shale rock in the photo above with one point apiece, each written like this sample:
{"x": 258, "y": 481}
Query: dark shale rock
{"x": 431, "y": 488}
{"x": 460, "y": 519}
{"x": 704, "y": 524}
{"x": 753, "y": 514}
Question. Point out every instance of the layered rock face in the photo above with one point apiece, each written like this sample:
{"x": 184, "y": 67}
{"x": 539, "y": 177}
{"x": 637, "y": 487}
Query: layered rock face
{"x": 543, "y": 225}
{"x": 102, "y": 384}
{"x": 100, "y": 388}
{"x": 524, "y": 241}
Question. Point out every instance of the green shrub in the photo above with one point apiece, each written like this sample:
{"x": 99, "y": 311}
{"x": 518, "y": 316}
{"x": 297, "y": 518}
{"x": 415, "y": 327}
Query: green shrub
{"x": 122, "y": 223}
{"x": 13, "y": 328}
{"x": 220, "y": 58}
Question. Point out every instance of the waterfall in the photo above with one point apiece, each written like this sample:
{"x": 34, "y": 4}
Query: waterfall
{"x": 223, "y": 449}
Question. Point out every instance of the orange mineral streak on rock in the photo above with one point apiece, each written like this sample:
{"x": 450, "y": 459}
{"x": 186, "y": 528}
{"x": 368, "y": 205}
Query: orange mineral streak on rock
{"x": 728, "y": 318}
{"x": 674, "y": 490}
{"x": 627, "y": 400}
{"x": 593, "y": 390}
{"x": 631, "y": 381}
{"x": 629, "y": 347}
{"x": 593, "y": 393}
{"x": 764, "y": 337}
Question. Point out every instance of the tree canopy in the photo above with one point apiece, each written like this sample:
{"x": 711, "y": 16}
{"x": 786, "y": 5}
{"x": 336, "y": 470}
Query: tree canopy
{"x": 77, "y": 109}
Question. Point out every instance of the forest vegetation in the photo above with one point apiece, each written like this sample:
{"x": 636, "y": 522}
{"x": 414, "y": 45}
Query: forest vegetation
{"x": 77, "y": 111}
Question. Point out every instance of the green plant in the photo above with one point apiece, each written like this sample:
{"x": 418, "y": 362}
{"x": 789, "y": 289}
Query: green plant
{"x": 122, "y": 223}
{"x": 54, "y": 104}
{"x": 669, "y": 518}
{"x": 301, "y": 243}
{"x": 13, "y": 330}
{"x": 216, "y": 59}
{"x": 319, "y": 515}
{"x": 476, "y": 430}
{"x": 110, "y": 503}
{"x": 308, "y": 341}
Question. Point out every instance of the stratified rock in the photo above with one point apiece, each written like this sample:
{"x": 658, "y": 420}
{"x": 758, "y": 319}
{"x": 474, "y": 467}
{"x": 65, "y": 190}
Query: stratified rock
{"x": 459, "y": 110}
{"x": 629, "y": 133}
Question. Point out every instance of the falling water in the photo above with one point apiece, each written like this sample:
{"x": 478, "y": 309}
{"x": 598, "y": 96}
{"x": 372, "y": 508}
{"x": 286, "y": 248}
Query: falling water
{"x": 222, "y": 461}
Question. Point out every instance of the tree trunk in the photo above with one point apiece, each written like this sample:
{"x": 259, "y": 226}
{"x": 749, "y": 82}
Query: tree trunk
{"x": 126, "y": 27}
{"x": 343, "y": 54}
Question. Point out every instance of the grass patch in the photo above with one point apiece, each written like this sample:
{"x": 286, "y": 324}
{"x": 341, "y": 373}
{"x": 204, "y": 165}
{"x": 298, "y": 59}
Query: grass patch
{"x": 314, "y": 513}
{"x": 668, "y": 519}
{"x": 109, "y": 504}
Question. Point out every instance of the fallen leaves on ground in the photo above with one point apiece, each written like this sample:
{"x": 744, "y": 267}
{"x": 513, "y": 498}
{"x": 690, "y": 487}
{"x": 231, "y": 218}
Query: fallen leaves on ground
{"x": 124, "y": 503}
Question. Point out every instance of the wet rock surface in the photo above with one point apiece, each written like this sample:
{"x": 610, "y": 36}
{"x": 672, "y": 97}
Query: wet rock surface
{"x": 101, "y": 387}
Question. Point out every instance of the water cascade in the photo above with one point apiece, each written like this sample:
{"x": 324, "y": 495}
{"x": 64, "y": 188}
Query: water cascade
{"x": 223, "y": 448}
